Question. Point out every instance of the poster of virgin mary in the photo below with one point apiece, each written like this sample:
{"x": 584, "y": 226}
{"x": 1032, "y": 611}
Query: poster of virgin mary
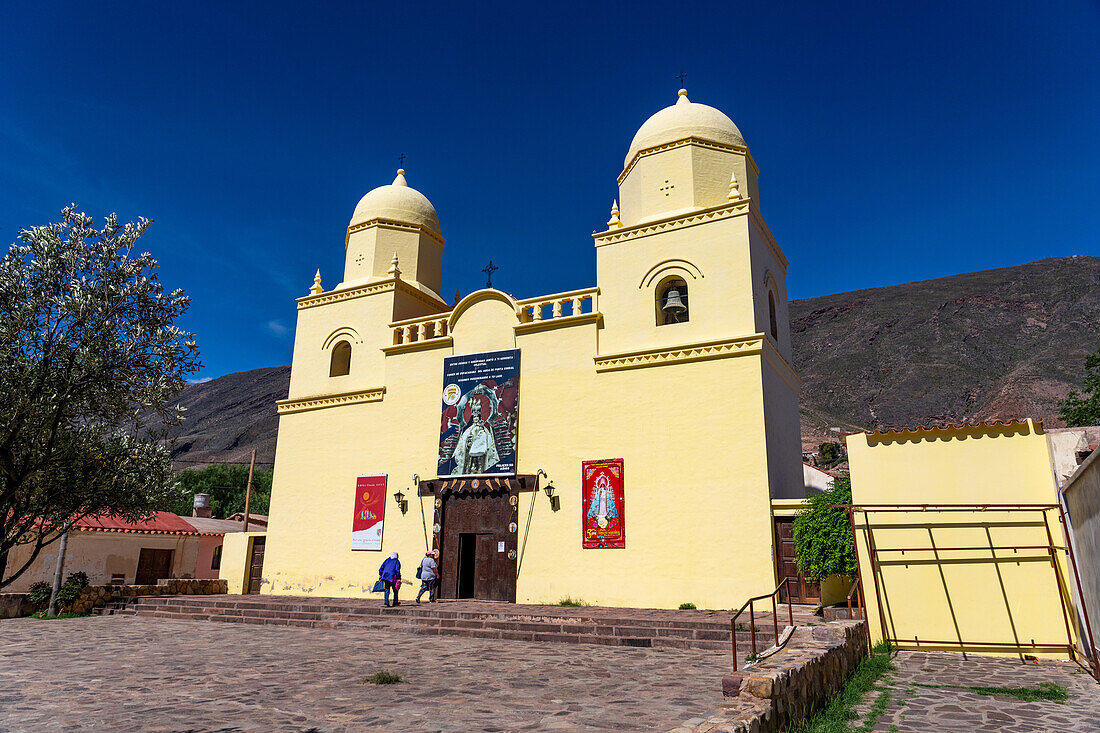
{"x": 478, "y": 431}
{"x": 602, "y": 504}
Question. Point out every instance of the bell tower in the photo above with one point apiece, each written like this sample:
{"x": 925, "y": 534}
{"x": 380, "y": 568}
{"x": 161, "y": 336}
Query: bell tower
{"x": 689, "y": 271}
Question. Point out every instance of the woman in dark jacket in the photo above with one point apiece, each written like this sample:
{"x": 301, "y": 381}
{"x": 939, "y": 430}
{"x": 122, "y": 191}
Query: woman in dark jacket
{"x": 390, "y": 573}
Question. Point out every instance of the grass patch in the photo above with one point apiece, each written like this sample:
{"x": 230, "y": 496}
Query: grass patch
{"x": 67, "y": 614}
{"x": 687, "y": 606}
{"x": 573, "y": 602}
{"x": 381, "y": 678}
{"x": 835, "y": 716}
{"x": 1043, "y": 691}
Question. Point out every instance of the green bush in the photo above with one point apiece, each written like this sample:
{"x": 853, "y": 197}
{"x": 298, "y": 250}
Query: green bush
{"x": 39, "y": 595}
{"x": 823, "y": 536}
{"x": 71, "y": 588}
{"x": 687, "y": 606}
{"x": 573, "y": 602}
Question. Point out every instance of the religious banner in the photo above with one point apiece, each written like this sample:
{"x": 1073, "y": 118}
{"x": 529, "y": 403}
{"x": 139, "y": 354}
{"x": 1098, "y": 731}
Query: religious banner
{"x": 602, "y": 503}
{"x": 478, "y": 432}
{"x": 370, "y": 507}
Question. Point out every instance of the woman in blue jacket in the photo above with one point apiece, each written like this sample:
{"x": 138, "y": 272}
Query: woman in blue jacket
{"x": 390, "y": 574}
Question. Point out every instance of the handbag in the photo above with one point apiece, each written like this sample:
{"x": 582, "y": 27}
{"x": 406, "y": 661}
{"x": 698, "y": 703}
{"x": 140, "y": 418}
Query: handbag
{"x": 379, "y": 586}
{"x": 397, "y": 584}
{"x": 419, "y": 572}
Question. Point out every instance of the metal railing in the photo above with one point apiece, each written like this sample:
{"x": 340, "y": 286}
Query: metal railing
{"x": 857, "y": 587}
{"x": 752, "y": 618}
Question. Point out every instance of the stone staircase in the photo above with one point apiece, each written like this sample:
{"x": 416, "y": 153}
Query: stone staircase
{"x": 657, "y": 628}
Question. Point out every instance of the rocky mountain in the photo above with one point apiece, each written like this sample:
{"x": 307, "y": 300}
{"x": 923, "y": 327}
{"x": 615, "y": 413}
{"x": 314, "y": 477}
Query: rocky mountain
{"x": 229, "y": 416}
{"x": 994, "y": 344}
{"x": 999, "y": 343}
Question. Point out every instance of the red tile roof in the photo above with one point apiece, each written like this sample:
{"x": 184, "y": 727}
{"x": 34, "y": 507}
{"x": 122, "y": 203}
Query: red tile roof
{"x": 159, "y": 523}
{"x": 951, "y": 426}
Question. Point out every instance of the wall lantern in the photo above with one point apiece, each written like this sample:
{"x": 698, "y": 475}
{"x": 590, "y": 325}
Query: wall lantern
{"x": 399, "y": 497}
{"x": 555, "y": 501}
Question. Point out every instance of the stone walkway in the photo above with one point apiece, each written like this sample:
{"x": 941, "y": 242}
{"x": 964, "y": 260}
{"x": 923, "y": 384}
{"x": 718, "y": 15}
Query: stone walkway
{"x": 916, "y": 708}
{"x": 133, "y": 673}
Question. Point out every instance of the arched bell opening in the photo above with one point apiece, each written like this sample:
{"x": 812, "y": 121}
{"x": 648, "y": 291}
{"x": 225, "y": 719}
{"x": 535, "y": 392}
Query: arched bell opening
{"x": 671, "y": 301}
{"x": 340, "y": 363}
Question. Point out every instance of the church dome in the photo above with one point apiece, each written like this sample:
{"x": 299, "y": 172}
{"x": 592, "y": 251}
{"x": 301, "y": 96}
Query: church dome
{"x": 681, "y": 120}
{"x": 397, "y": 202}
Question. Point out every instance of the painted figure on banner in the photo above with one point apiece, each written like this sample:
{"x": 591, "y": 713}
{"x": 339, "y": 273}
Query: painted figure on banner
{"x": 602, "y": 507}
{"x": 478, "y": 427}
{"x": 602, "y": 504}
{"x": 476, "y": 450}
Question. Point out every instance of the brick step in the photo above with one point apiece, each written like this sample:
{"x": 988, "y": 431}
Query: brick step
{"x": 631, "y": 627}
{"x": 542, "y": 635}
{"x": 636, "y": 635}
{"x": 262, "y": 607}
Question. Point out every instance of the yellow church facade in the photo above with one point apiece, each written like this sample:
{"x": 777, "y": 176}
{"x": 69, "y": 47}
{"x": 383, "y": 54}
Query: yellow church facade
{"x": 621, "y": 444}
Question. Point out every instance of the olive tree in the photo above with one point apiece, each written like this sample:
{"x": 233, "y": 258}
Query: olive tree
{"x": 90, "y": 358}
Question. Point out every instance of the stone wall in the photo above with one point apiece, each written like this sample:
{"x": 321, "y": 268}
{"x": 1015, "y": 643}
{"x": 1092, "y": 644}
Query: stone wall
{"x": 97, "y": 596}
{"x": 14, "y": 605}
{"x": 788, "y": 686}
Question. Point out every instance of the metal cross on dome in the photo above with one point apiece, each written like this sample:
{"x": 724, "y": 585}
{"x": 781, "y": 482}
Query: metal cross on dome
{"x": 401, "y": 161}
{"x": 681, "y": 76}
{"x": 489, "y": 270}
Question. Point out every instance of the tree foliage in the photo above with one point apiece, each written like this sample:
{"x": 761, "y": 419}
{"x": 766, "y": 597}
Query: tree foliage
{"x": 225, "y": 482}
{"x": 1083, "y": 408}
{"x": 831, "y": 454}
{"x": 823, "y": 535}
{"x": 88, "y": 343}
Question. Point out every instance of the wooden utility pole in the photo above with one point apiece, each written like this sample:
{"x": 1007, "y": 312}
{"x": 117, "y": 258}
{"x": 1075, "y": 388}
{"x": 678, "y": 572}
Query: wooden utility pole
{"x": 248, "y": 491}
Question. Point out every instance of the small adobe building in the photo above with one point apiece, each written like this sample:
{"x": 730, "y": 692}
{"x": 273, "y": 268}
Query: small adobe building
{"x": 622, "y": 443}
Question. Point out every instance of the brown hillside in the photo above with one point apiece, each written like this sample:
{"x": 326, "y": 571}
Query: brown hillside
{"x": 993, "y": 344}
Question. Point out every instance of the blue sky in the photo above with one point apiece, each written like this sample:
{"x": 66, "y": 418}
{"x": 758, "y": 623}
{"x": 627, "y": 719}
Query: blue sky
{"x": 896, "y": 142}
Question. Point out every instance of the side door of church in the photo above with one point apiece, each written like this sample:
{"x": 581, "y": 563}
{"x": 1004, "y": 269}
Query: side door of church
{"x": 802, "y": 590}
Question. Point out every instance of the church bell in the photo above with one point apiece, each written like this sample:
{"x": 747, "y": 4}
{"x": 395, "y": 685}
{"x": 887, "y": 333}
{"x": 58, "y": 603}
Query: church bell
{"x": 673, "y": 304}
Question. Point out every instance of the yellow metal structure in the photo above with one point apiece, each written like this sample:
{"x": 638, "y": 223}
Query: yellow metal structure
{"x": 948, "y": 575}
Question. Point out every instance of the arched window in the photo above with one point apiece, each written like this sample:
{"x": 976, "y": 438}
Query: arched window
{"x": 771, "y": 316}
{"x": 341, "y": 360}
{"x": 671, "y": 301}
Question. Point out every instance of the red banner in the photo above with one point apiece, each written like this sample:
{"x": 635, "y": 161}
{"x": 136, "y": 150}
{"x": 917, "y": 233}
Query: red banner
{"x": 602, "y": 503}
{"x": 370, "y": 507}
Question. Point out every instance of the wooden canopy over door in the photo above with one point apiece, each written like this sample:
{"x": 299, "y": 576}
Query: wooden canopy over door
{"x": 476, "y": 530}
{"x": 801, "y": 589}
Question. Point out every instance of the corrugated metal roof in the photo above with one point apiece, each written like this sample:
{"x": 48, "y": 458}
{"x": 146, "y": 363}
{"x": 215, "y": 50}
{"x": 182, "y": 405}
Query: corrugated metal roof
{"x": 209, "y": 525}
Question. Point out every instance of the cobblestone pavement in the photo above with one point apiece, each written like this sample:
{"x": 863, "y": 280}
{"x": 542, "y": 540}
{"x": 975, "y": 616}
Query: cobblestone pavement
{"x": 112, "y": 673}
{"x": 944, "y": 709}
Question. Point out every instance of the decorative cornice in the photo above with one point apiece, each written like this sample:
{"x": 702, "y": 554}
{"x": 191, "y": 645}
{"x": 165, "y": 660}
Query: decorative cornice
{"x": 360, "y": 291}
{"x": 390, "y": 224}
{"x": 424, "y": 345}
{"x": 690, "y": 352}
{"x": 332, "y": 296}
{"x": 679, "y": 144}
{"x": 374, "y": 394}
{"x": 560, "y": 322}
{"x": 725, "y": 211}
